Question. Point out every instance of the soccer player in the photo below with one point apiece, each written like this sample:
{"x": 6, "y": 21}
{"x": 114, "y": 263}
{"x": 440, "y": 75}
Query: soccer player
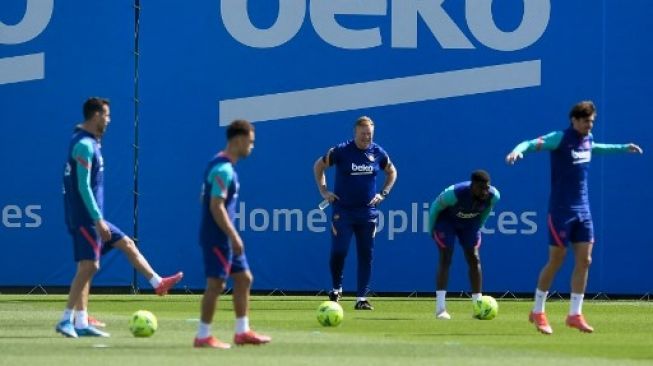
{"x": 222, "y": 246}
{"x": 460, "y": 211}
{"x": 569, "y": 218}
{"x": 92, "y": 234}
{"x": 355, "y": 200}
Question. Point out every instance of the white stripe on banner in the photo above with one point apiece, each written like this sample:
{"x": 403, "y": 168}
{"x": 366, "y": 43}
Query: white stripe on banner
{"x": 382, "y": 92}
{"x": 22, "y": 68}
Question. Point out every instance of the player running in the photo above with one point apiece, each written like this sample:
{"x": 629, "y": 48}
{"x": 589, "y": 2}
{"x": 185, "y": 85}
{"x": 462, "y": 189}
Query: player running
{"x": 569, "y": 218}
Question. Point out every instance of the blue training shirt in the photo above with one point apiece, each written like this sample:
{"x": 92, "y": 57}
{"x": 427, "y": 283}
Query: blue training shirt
{"x": 457, "y": 205}
{"x": 571, "y": 155}
{"x": 356, "y": 171}
{"x": 83, "y": 180}
{"x": 220, "y": 180}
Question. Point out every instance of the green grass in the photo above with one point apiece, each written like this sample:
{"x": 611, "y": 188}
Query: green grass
{"x": 401, "y": 331}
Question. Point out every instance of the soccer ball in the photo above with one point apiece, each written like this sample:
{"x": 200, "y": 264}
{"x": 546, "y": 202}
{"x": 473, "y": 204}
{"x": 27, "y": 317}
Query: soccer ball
{"x": 142, "y": 324}
{"x": 330, "y": 314}
{"x": 486, "y": 308}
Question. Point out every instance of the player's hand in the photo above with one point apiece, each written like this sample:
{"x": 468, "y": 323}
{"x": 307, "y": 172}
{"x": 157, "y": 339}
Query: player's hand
{"x": 237, "y": 246}
{"x": 329, "y": 196}
{"x": 635, "y": 149}
{"x": 513, "y": 157}
{"x": 376, "y": 200}
{"x": 103, "y": 229}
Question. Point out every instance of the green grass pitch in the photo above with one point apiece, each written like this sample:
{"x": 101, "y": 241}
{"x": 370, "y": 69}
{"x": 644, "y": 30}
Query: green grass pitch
{"x": 400, "y": 331}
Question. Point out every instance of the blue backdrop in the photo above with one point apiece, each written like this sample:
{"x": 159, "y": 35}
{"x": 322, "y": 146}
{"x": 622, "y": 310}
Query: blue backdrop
{"x": 451, "y": 88}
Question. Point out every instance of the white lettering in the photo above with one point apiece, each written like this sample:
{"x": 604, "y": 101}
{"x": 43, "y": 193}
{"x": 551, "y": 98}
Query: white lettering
{"x": 287, "y": 215}
{"x": 323, "y": 17}
{"x": 532, "y": 27}
{"x": 470, "y": 215}
{"x": 361, "y": 168}
{"x": 396, "y": 221}
{"x": 525, "y": 218}
{"x": 37, "y": 16}
{"x": 30, "y": 211}
{"x": 404, "y": 23}
{"x": 580, "y": 157}
{"x": 13, "y": 217}
{"x": 237, "y": 22}
{"x": 264, "y": 216}
{"x": 507, "y": 219}
{"x": 9, "y": 213}
{"x": 392, "y": 228}
{"x": 316, "y": 216}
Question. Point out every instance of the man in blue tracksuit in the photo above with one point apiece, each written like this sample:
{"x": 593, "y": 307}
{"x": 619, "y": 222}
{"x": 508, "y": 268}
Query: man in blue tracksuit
{"x": 355, "y": 198}
{"x": 569, "y": 219}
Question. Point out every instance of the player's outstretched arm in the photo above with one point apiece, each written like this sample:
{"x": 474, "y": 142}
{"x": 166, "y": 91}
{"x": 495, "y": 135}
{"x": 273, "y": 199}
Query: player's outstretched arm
{"x": 615, "y": 148}
{"x": 550, "y": 141}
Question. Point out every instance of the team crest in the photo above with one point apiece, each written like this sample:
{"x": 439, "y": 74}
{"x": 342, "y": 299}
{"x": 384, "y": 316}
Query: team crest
{"x": 370, "y": 157}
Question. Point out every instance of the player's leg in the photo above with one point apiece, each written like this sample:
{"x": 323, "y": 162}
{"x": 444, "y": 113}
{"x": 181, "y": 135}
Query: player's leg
{"x": 126, "y": 245}
{"x": 341, "y": 233}
{"x": 86, "y": 249}
{"x": 470, "y": 240}
{"x": 583, "y": 243}
{"x": 558, "y": 224}
{"x": 243, "y": 279}
{"x": 81, "y": 308}
{"x": 82, "y": 327}
{"x": 444, "y": 236}
{"x": 364, "y": 233}
{"x": 216, "y": 270}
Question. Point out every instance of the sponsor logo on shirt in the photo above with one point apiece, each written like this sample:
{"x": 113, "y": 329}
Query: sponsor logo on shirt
{"x": 361, "y": 169}
{"x": 463, "y": 215}
{"x": 580, "y": 157}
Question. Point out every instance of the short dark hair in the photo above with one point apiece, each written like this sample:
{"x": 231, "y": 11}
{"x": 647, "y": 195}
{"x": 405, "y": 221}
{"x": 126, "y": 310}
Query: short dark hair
{"x": 582, "y": 109}
{"x": 239, "y": 127}
{"x": 480, "y": 176}
{"x": 363, "y": 120}
{"x": 92, "y": 105}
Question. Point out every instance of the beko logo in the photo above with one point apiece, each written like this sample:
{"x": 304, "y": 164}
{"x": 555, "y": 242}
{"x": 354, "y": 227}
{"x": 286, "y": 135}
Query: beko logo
{"x": 404, "y": 19}
{"x": 21, "y": 68}
{"x": 405, "y": 16}
{"x": 362, "y": 169}
{"x": 583, "y": 156}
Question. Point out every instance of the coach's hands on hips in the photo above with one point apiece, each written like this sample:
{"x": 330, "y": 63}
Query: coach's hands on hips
{"x": 378, "y": 198}
{"x": 329, "y": 196}
{"x": 513, "y": 157}
{"x": 635, "y": 149}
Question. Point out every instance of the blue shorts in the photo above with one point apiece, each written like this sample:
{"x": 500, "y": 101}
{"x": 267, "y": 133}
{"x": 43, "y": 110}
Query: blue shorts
{"x": 87, "y": 244}
{"x": 570, "y": 227}
{"x": 445, "y": 233}
{"x": 219, "y": 261}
